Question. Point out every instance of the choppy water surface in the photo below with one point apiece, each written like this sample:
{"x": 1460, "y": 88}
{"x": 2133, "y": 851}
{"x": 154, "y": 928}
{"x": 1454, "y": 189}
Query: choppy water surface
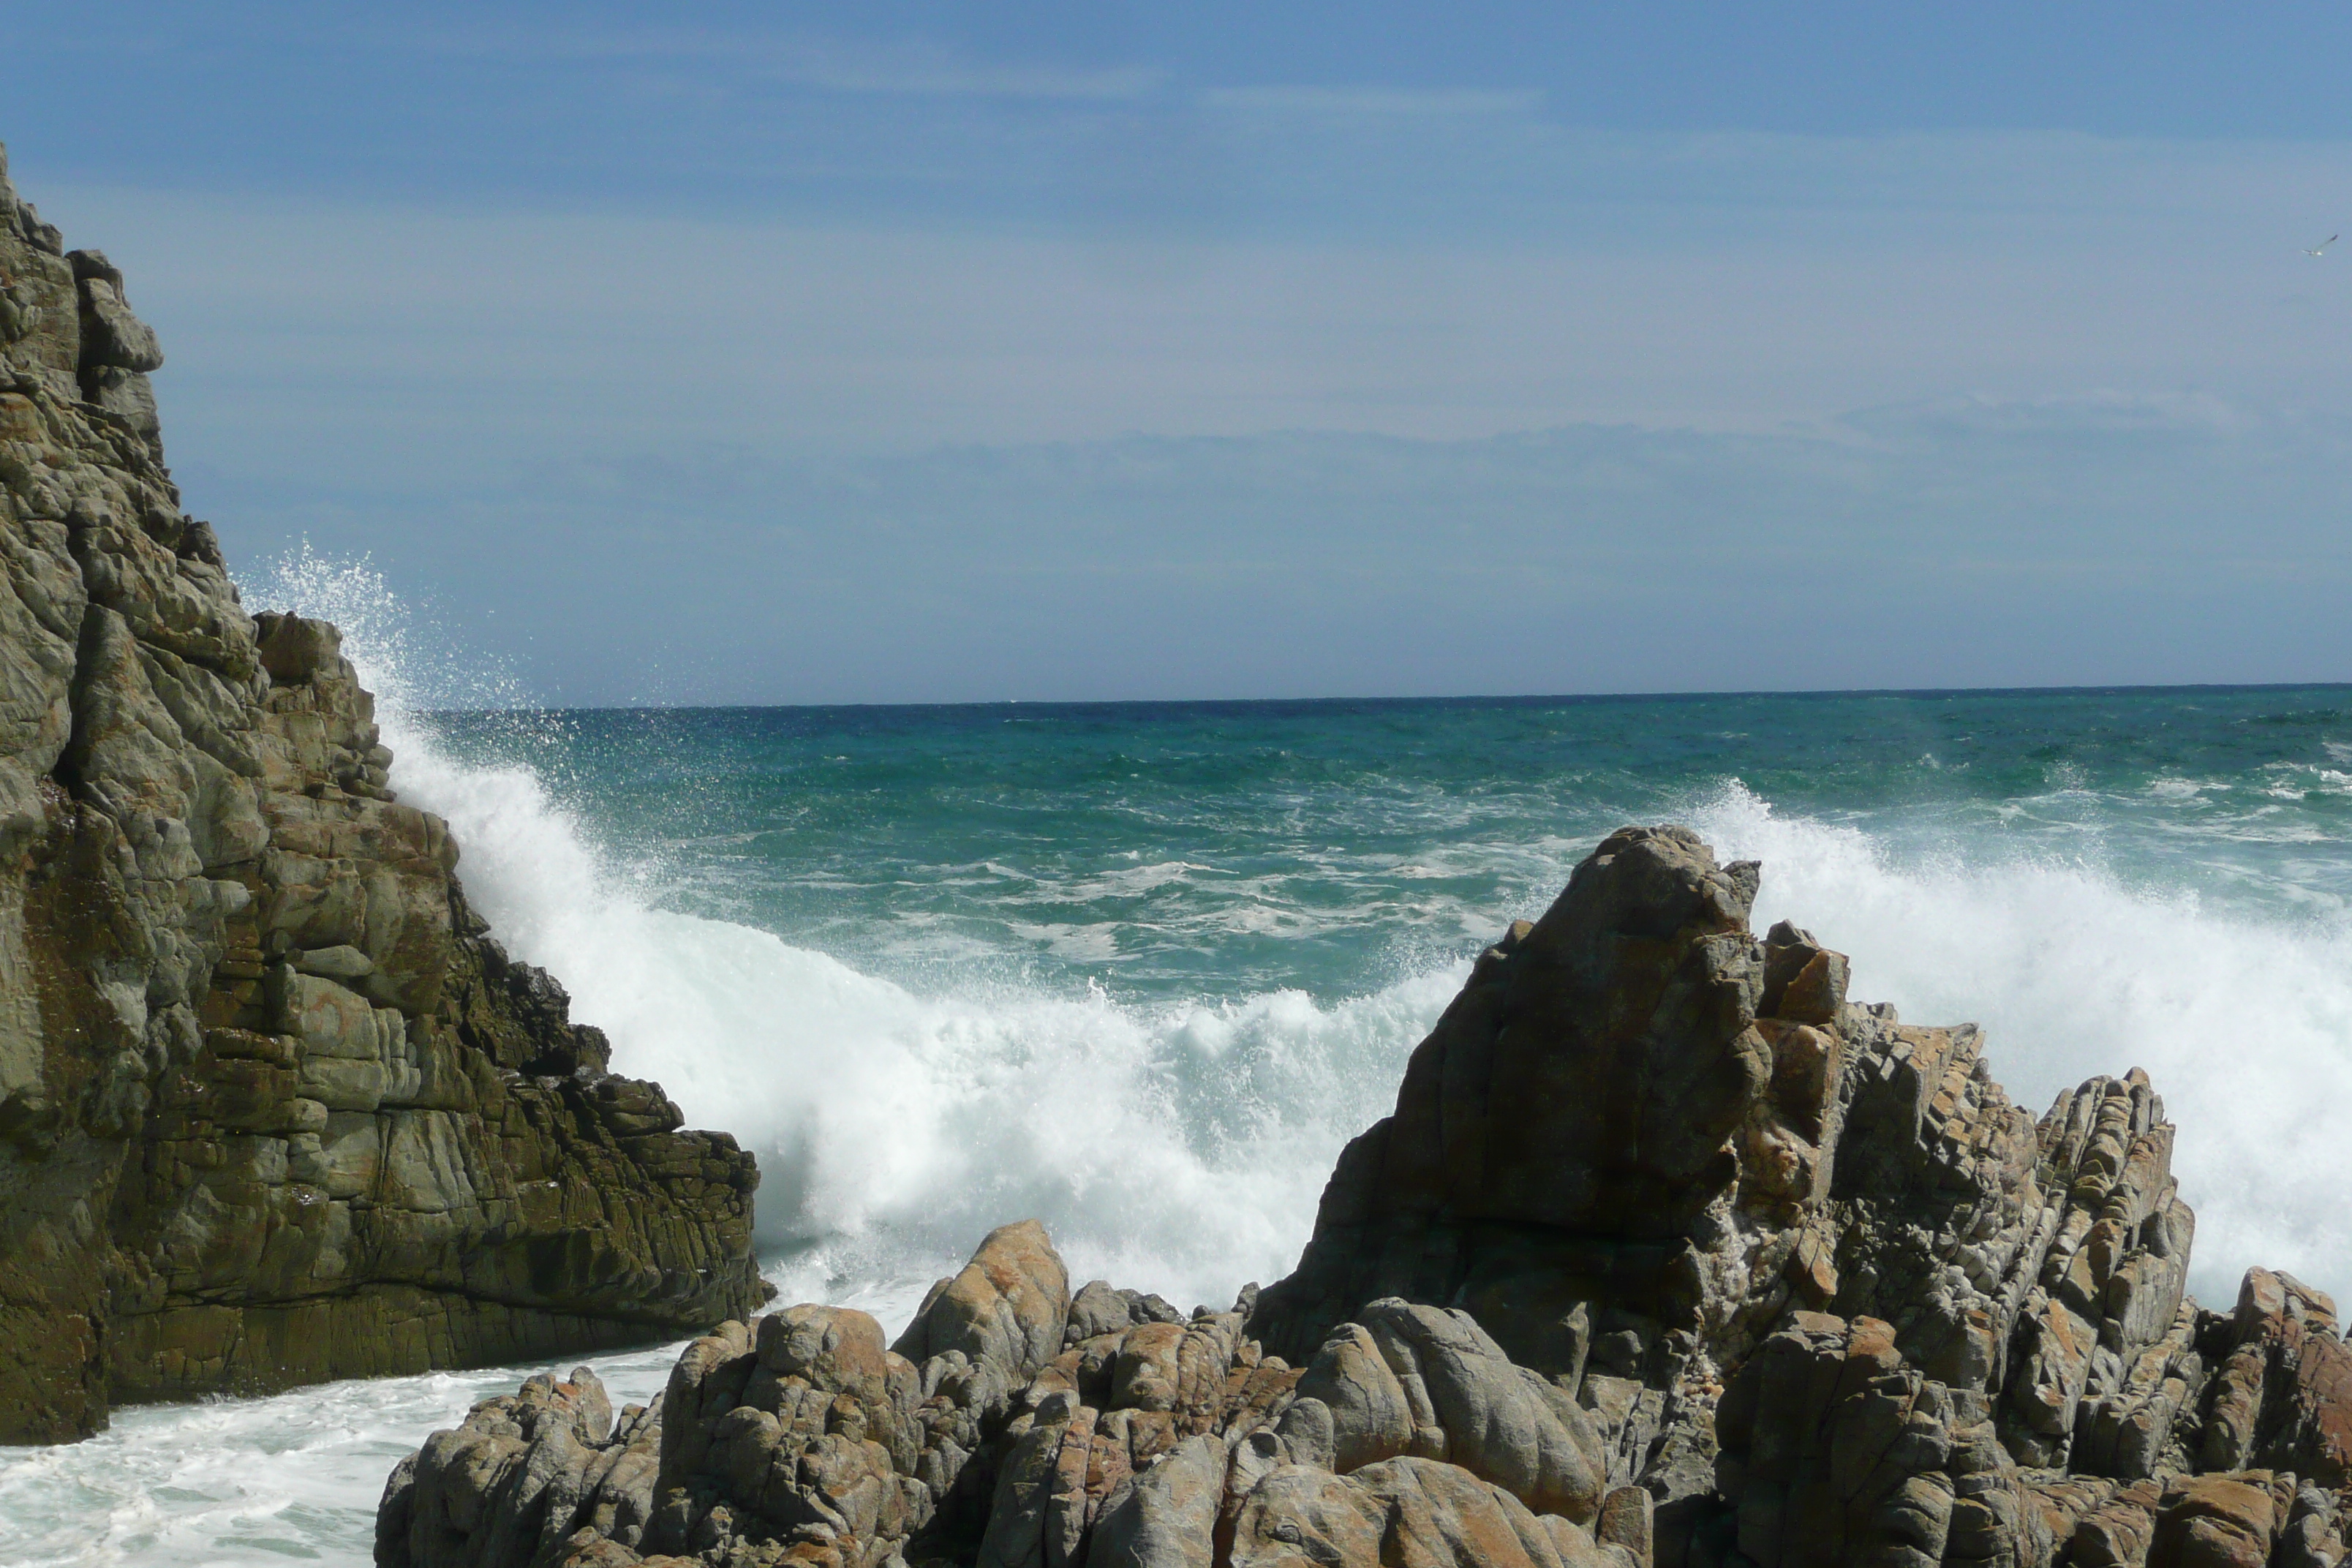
{"x": 1139, "y": 971}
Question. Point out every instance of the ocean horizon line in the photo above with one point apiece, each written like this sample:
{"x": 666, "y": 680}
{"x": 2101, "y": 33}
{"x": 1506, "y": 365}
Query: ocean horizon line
{"x": 1470, "y": 699}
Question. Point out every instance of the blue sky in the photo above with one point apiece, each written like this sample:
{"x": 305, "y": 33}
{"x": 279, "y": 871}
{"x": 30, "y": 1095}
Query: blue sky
{"x": 906, "y": 353}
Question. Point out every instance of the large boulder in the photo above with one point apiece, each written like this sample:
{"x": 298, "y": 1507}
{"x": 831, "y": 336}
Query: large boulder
{"x": 1168, "y": 1519}
{"x": 523, "y": 1476}
{"x": 1571, "y": 1126}
{"x": 1009, "y": 1304}
{"x": 1427, "y": 1382}
{"x": 1404, "y": 1510}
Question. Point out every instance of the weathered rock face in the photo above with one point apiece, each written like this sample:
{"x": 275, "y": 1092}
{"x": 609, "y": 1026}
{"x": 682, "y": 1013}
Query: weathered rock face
{"x": 528, "y": 1471}
{"x": 1122, "y": 1437}
{"x": 1571, "y": 1135}
{"x": 1669, "y": 1257}
{"x": 273, "y": 1105}
{"x": 1728, "y": 1139}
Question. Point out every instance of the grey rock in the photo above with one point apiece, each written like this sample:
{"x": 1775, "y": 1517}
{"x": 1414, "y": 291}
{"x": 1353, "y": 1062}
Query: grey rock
{"x": 1351, "y": 1404}
{"x": 1032, "y": 1495}
{"x": 1553, "y": 1143}
{"x": 128, "y": 396}
{"x": 214, "y": 1178}
{"x": 1500, "y": 1422}
{"x": 1403, "y": 1509}
{"x": 520, "y": 1476}
{"x": 111, "y": 336}
{"x": 341, "y": 962}
{"x": 1169, "y": 1520}
{"x": 1096, "y": 1310}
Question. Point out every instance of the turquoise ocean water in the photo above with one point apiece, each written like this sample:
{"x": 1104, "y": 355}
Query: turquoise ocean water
{"x": 1141, "y": 970}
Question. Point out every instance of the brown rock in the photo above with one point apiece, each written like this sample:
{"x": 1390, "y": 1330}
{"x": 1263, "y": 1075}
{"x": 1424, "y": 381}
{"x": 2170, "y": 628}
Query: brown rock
{"x": 1009, "y": 1305}
{"x": 1168, "y": 1519}
{"x": 2215, "y": 1522}
{"x": 1398, "y": 1511}
{"x": 1580, "y": 1097}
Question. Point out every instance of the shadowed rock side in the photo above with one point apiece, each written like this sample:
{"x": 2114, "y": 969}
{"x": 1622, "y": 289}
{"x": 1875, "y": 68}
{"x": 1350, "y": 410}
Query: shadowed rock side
{"x": 1669, "y": 1257}
{"x": 273, "y": 1107}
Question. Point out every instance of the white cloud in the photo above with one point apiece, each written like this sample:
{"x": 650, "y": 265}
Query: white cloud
{"x": 290, "y": 318}
{"x": 1369, "y": 101}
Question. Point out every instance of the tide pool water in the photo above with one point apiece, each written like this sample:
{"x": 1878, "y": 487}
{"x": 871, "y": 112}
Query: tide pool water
{"x": 1139, "y": 971}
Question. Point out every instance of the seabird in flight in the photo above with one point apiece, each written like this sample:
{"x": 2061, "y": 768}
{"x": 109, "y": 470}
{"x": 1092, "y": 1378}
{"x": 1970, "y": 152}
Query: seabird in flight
{"x": 2323, "y": 244}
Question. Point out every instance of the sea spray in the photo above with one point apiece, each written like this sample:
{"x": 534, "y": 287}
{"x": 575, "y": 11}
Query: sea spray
{"x": 1181, "y": 1149}
{"x": 2243, "y": 1023}
{"x": 1178, "y": 1148}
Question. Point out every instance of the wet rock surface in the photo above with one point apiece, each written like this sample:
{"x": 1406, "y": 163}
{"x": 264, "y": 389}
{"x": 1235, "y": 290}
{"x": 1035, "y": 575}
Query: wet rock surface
{"x": 1670, "y": 1256}
{"x": 274, "y": 1106}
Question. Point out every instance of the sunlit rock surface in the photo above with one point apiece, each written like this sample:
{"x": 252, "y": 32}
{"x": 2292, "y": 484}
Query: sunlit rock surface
{"x": 274, "y": 1107}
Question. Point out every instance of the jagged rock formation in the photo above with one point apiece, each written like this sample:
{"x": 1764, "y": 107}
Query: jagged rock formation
{"x": 1669, "y": 1257}
{"x": 1034, "y": 1429}
{"x": 273, "y": 1105}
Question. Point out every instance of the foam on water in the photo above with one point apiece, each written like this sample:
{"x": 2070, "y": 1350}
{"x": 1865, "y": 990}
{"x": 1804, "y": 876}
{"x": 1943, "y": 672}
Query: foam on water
{"x": 1180, "y": 1150}
{"x": 294, "y": 1478}
{"x": 2243, "y": 1021}
{"x": 891, "y": 1123}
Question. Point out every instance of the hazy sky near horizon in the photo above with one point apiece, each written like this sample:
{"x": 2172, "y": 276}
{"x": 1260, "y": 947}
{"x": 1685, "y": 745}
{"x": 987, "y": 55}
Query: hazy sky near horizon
{"x": 784, "y": 352}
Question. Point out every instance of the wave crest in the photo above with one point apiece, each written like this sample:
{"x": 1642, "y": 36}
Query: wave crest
{"x": 2243, "y": 1021}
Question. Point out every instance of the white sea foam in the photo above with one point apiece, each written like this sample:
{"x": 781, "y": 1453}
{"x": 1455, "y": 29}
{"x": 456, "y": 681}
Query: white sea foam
{"x": 1179, "y": 1150}
{"x": 2243, "y": 1022}
{"x": 240, "y": 1481}
{"x": 878, "y": 1112}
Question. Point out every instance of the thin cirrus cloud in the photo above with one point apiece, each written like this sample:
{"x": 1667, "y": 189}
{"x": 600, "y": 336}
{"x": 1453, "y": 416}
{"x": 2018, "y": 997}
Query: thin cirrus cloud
{"x": 911, "y": 67}
{"x": 1806, "y": 294}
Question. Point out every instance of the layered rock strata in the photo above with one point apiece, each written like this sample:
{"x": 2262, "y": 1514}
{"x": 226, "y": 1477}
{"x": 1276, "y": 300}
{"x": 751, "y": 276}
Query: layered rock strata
{"x": 274, "y": 1107}
{"x": 1670, "y": 1256}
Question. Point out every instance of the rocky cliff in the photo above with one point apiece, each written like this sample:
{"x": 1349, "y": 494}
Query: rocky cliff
{"x": 1670, "y": 1256}
{"x": 274, "y": 1106}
